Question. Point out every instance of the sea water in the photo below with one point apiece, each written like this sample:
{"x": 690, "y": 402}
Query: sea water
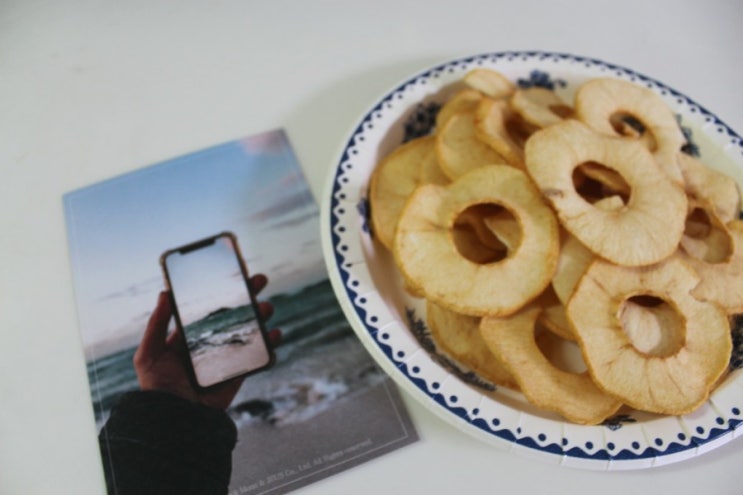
{"x": 319, "y": 361}
{"x": 223, "y": 327}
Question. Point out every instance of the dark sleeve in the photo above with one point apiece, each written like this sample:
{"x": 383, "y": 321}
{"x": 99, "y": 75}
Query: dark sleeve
{"x": 154, "y": 442}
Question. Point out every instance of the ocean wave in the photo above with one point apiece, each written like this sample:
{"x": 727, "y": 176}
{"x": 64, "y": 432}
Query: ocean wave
{"x": 301, "y": 399}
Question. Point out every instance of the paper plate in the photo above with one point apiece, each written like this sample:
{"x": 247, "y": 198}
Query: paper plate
{"x": 392, "y": 324}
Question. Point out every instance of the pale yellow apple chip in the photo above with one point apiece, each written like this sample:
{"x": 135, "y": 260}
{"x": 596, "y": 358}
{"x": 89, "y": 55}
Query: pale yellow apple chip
{"x": 574, "y": 260}
{"x": 478, "y": 217}
{"x": 428, "y": 258}
{"x": 646, "y": 320}
{"x": 431, "y": 172}
{"x": 393, "y": 181}
{"x": 645, "y": 231}
{"x": 554, "y": 319}
{"x": 502, "y": 129}
{"x": 505, "y": 227}
{"x": 707, "y": 184}
{"x": 459, "y": 150}
{"x": 490, "y": 83}
{"x": 540, "y": 107}
{"x": 673, "y": 376}
{"x": 575, "y": 257}
{"x": 552, "y": 316}
{"x": 459, "y": 337}
{"x": 706, "y": 237}
{"x": 465, "y": 100}
{"x": 722, "y": 277}
{"x": 600, "y": 103}
{"x": 572, "y": 395}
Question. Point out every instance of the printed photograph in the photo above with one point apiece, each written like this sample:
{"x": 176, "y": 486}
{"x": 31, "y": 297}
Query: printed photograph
{"x": 324, "y": 405}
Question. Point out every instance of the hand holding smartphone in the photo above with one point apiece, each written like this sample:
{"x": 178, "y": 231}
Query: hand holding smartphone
{"x": 216, "y": 309}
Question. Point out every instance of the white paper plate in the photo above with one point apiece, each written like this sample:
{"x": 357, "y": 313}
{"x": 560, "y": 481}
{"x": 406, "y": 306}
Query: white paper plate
{"x": 391, "y": 324}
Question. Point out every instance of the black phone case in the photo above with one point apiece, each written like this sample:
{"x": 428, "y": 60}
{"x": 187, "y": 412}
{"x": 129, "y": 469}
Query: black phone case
{"x": 251, "y": 293}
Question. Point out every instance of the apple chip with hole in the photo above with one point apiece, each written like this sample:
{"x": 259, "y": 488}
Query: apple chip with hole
{"x": 612, "y": 106}
{"x": 645, "y": 231}
{"x": 646, "y": 339}
{"x": 430, "y": 261}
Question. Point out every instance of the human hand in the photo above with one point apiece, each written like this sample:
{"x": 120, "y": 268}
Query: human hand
{"x": 161, "y": 359}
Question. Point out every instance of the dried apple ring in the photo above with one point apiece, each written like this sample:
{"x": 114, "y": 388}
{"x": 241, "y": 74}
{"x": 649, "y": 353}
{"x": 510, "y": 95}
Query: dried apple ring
{"x": 554, "y": 319}
{"x": 575, "y": 258}
{"x": 465, "y": 100}
{"x": 459, "y": 336}
{"x": 429, "y": 260}
{"x": 646, "y": 230}
{"x": 722, "y": 281}
{"x": 505, "y": 228}
{"x": 599, "y": 102}
{"x": 394, "y": 179}
{"x": 707, "y": 184}
{"x": 675, "y": 380}
{"x": 459, "y": 150}
{"x": 646, "y": 320}
{"x": 502, "y": 129}
{"x": 490, "y": 83}
{"x": 540, "y": 106}
{"x": 572, "y": 395}
{"x": 431, "y": 172}
{"x": 553, "y": 315}
{"x": 706, "y": 237}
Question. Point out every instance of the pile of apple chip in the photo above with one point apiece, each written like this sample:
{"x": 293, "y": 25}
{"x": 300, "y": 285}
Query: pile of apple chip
{"x": 533, "y": 225}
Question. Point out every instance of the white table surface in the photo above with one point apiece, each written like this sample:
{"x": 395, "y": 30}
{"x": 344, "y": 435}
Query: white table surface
{"x": 92, "y": 89}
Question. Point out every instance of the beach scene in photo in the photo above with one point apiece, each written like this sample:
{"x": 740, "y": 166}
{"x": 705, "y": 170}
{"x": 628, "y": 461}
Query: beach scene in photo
{"x": 225, "y": 344}
{"x": 220, "y": 324}
{"x": 324, "y": 405}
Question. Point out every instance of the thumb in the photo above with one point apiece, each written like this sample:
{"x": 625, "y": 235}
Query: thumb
{"x": 153, "y": 340}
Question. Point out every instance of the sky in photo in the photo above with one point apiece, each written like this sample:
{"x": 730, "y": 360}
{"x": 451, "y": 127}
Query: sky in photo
{"x": 118, "y": 229}
{"x": 206, "y": 279}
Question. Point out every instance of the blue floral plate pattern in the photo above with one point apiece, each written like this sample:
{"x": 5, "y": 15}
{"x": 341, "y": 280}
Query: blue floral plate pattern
{"x": 391, "y": 323}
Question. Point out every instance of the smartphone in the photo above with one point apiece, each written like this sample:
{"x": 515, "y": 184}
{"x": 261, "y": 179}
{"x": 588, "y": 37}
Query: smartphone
{"x": 216, "y": 309}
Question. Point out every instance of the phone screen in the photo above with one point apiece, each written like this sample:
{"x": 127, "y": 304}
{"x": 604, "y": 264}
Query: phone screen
{"x": 216, "y": 310}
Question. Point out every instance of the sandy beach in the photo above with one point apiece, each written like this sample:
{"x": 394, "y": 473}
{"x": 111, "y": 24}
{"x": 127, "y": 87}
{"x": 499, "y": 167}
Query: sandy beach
{"x": 276, "y": 459}
{"x": 225, "y": 361}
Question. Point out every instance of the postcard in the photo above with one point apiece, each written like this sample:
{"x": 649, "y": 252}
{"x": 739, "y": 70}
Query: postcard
{"x": 323, "y": 406}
